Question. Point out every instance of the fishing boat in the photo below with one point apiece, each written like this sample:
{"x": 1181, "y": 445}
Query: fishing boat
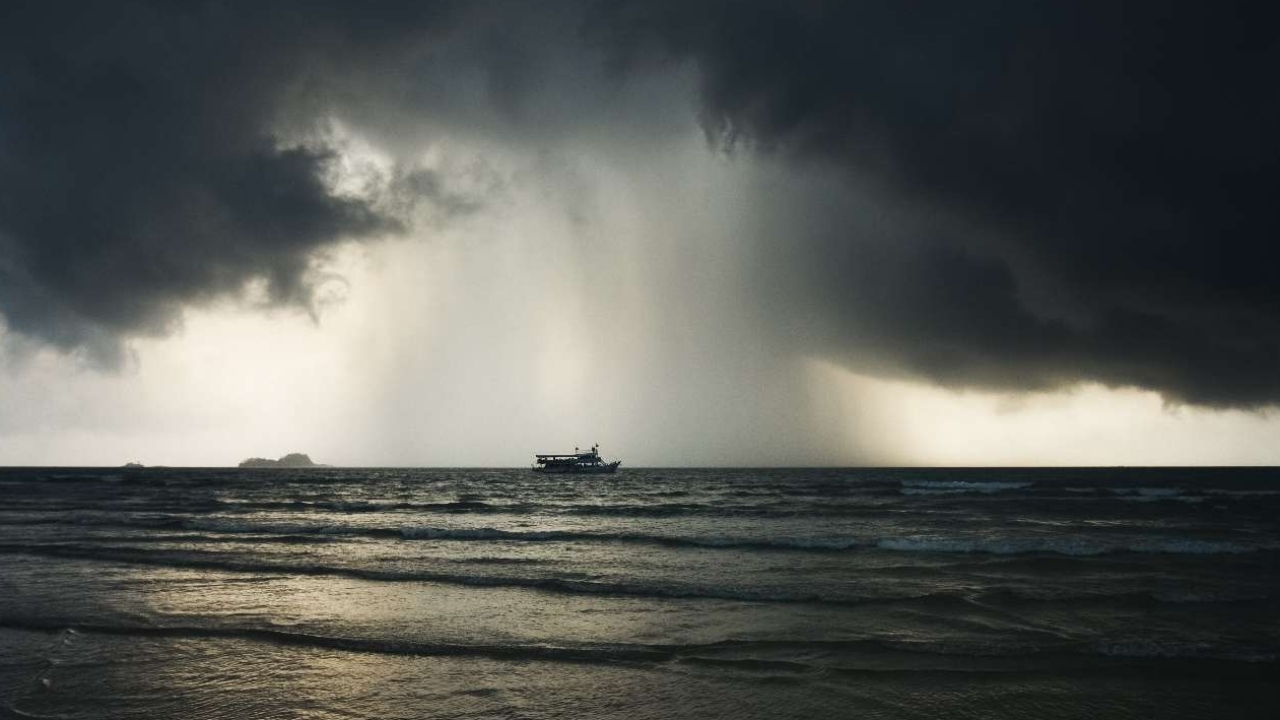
{"x": 585, "y": 463}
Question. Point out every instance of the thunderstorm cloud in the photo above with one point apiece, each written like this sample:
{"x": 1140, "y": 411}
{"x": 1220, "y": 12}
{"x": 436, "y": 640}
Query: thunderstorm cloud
{"x": 1060, "y": 192}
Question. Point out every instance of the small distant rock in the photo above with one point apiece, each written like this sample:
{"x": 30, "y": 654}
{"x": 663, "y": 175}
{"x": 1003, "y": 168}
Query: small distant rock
{"x": 292, "y": 460}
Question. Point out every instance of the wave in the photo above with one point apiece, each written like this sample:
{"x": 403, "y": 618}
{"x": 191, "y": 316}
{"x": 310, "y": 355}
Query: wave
{"x": 82, "y": 477}
{"x": 799, "y": 656}
{"x": 956, "y": 487}
{"x": 727, "y": 652}
{"x": 1243, "y": 493}
{"x": 1146, "y": 648}
{"x": 437, "y": 533}
{"x": 211, "y": 561}
{"x": 1154, "y": 494}
{"x": 369, "y": 506}
{"x": 936, "y": 544}
{"x": 415, "y": 532}
{"x": 710, "y": 541}
{"x": 385, "y": 646}
{"x": 1069, "y": 546}
{"x": 1188, "y": 499}
{"x": 945, "y": 601}
{"x": 1146, "y": 491}
{"x": 331, "y": 513}
{"x": 645, "y": 510}
{"x": 1060, "y": 545}
{"x": 455, "y": 507}
{"x": 226, "y": 525}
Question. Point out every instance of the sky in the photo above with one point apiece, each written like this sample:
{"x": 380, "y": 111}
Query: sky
{"x": 695, "y": 232}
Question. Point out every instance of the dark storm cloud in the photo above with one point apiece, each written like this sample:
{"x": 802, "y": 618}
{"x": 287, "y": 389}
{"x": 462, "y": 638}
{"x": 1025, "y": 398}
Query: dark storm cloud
{"x": 1073, "y": 191}
{"x": 157, "y": 155}
{"x": 141, "y": 168}
{"x": 1110, "y": 171}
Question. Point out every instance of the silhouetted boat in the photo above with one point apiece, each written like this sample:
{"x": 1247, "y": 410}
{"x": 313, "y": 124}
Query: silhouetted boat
{"x": 585, "y": 463}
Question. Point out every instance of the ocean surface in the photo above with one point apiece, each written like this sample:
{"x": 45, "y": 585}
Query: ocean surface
{"x": 653, "y": 593}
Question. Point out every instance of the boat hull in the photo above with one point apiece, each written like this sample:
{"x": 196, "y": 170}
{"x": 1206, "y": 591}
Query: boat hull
{"x": 604, "y": 469}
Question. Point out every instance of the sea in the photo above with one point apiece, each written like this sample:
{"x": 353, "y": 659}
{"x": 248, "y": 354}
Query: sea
{"x": 653, "y": 593}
